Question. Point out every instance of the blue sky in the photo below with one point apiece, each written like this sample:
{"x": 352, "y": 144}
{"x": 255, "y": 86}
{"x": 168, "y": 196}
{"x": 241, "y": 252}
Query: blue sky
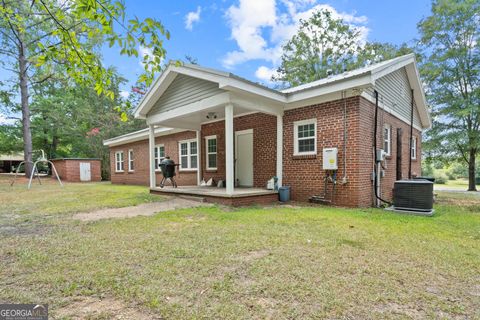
{"x": 245, "y": 36}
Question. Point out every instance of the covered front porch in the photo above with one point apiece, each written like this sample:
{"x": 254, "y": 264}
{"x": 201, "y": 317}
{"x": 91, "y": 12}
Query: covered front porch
{"x": 236, "y": 132}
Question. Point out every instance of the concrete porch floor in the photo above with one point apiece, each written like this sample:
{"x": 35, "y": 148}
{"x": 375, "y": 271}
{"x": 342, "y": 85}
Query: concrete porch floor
{"x": 240, "y": 196}
{"x": 238, "y": 192}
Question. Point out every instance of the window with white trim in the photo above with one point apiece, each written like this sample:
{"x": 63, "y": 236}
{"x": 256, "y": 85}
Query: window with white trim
{"x": 211, "y": 154}
{"x": 119, "y": 161}
{"x": 188, "y": 154}
{"x": 130, "y": 160}
{"x": 387, "y": 139}
{"x": 414, "y": 148}
{"x": 305, "y": 137}
{"x": 159, "y": 155}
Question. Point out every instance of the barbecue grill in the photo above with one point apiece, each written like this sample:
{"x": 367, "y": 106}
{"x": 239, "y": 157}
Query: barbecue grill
{"x": 167, "y": 166}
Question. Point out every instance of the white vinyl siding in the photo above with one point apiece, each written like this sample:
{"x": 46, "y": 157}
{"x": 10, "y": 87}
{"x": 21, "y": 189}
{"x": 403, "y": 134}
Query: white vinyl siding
{"x": 119, "y": 161}
{"x": 188, "y": 152}
{"x": 387, "y": 139}
{"x": 395, "y": 94}
{"x": 305, "y": 137}
{"x": 211, "y": 154}
{"x": 414, "y": 148}
{"x": 131, "y": 166}
{"x": 182, "y": 91}
{"x": 159, "y": 155}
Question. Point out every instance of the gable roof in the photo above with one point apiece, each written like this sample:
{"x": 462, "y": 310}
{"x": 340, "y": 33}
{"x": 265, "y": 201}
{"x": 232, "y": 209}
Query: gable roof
{"x": 295, "y": 96}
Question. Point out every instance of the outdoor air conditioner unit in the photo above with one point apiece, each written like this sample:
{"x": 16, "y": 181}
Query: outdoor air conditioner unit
{"x": 414, "y": 196}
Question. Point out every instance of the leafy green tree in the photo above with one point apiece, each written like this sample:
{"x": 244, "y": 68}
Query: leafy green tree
{"x": 70, "y": 120}
{"x": 450, "y": 38}
{"x": 324, "y": 44}
{"x": 37, "y": 35}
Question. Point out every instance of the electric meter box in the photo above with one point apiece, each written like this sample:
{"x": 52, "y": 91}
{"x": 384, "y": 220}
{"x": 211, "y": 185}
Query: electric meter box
{"x": 330, "y": 159}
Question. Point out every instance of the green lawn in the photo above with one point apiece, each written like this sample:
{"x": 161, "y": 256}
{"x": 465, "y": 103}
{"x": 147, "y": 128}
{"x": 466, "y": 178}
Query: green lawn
{"x": 279, "y": 262}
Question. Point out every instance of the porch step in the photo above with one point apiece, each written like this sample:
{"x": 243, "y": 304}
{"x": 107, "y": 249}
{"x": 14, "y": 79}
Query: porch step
{"x": 318, "y": 199}
{"x": 193, "y": 198}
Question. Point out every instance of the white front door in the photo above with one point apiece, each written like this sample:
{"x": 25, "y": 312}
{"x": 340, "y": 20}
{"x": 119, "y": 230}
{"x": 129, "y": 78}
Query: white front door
{"x": 85, "y": 172}
{"x": 244, "y": 157}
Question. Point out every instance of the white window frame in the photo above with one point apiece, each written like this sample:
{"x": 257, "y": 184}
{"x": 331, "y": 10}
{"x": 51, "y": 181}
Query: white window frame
{"x": 131, "y": 167}
{"x": 296, "y": 124}
{"x": 189, "y": 155}
{"x": 119, "y": 161}
{"x": 387, "y": 139}
{"x": 414, "y": 148}
{"x": 158, "y": 158}
{"x": 208, "y": 153}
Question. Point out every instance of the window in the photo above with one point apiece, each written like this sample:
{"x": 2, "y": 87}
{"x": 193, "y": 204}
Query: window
{"x": 188, "y": 154}
{"x": 119, "y": 161}
{"x": 211, "y": 143}
{"x": 130, "y": 160}
{"x": 159, "y": 155}
{"x": 387, "y": 139}
{"x": 414, "y": 148}
{"x": 305, "y": 137}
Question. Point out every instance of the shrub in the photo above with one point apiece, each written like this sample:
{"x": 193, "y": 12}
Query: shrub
{"x": 440, "y": 177}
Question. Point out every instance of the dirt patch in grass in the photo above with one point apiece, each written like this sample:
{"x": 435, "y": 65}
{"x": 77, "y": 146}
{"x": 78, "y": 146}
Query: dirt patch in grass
{"x": 392, "y": 308}
{"x": 95, "y": 308}
{"x": 146, "y": 209}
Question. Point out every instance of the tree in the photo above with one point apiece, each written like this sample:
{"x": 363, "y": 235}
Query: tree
{"x": 36, "y": 35}
{"x": 450, "y": 38}
{"x": 324, "y": 44}
{"x": 70, "y": 120}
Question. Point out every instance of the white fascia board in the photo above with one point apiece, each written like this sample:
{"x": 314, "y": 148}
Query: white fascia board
{"x": 154, "y": 93}
{"x": 419, "y": 95}
{"x": 393, "y": 66}
{"x": 388, "y": 110}
{"x": 205, "y": 104}
{"x": 138, "y": 136}
{"x": 297, "y": 98}
{"x": 236, "y": 85}
{"x": 257, "y": 104}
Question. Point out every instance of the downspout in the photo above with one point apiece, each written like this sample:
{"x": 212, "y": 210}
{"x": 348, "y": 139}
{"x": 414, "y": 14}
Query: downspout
{"x": 376, "y": 161}
{"x": 410, "y": 143}
{"x": 344, "y": 95}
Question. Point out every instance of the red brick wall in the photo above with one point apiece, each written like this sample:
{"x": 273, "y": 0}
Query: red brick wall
{"x": 69, "y": 169}
{"x": 140, "y": 175}
{"x": 303, "y": 173}
{"x": 367, "y": 120}
{"x": 264, "y": 145}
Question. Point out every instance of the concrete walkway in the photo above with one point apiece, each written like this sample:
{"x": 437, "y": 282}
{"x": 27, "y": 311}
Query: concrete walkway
{"x": 146, "y": 209}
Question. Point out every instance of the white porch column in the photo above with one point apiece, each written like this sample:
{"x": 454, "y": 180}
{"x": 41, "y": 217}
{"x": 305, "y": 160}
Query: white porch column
{"x": 229, "y": 151}
{"x": 151, "y": 145}
{"x": 199, "y": 157}
{"x": 280, "y": 149}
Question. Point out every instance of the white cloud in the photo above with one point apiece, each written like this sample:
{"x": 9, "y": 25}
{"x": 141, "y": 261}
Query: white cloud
{"x": 192, "y": 17}
{"x": 145, "y": 52}
{"x": 260, "y": 28}
{"x": 265, "y": 74}
{"x": 124, "y": 94}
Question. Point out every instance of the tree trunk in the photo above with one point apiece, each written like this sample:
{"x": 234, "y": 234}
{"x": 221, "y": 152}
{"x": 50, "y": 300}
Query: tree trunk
{"x": 27, "y": 134}
{"x": 471, "y": 170}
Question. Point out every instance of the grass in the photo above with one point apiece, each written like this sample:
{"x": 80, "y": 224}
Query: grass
{"x": 279, "y": 262}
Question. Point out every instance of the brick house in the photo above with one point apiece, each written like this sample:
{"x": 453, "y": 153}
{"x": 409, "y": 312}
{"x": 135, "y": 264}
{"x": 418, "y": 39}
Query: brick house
{"x": 217, "y": 125}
